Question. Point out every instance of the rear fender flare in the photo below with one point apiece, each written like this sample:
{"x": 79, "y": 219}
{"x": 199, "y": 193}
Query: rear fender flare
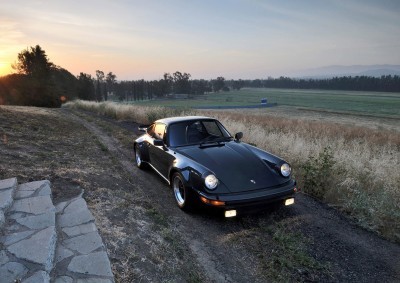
{"x": 143, "y": 150}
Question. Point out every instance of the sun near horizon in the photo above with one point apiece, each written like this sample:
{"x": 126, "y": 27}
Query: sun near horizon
{"x": 5, "y": 69}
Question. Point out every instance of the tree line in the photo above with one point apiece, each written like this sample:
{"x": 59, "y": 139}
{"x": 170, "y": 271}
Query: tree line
{"x": 177, "y": 84}
{"x": 39, "y": 82}
{"x": 387, "y": 83}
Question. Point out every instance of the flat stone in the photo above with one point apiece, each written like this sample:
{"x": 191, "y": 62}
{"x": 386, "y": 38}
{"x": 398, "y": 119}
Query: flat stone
{"x": 15, "y": 228}
{"x": 33, "y": 205}
{"x": 80, "y": 229}
{"x": 91, "y": 264}
{"x": 37, "y": 188}
{"x": 60, "y": 206}
{"x": 64, "y": 279}
{"x": 12, "y": 271}
{"x": 38, "y": 277}
{"x": 75, "y": 205}
{"x": 45, "y": 191}
{"x": 2, "y": 218}
{"x": 16, "y": 237}
{"x": 23, "y": 194}
{"x": 37, "y": 222}
{"x": 3, "y": 258}
{"x": 8, "y": 183}
{"x": 6, "y": 198}
{"x": 39, "y": 248}
{"x": 84, "y": 244}
{"x": 75, "y": 218}
{"x": 33, "y": 186}
{"x": 93, "y": 280}
{"x": 62, "y": 253}
{"x": 16, "y": 215}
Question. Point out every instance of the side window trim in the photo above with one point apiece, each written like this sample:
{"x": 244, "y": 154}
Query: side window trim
{"x": 150, "y": 130}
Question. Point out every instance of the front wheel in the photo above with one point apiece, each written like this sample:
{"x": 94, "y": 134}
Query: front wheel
{"x": 181, "y": 193}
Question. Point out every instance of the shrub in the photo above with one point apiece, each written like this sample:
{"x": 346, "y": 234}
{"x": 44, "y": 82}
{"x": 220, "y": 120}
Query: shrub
{"x": 318, "y": 173}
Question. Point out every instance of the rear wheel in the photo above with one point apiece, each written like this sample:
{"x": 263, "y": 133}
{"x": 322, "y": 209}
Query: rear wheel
{"x": 181, "y": 193}
{"x": 138, "y": 158}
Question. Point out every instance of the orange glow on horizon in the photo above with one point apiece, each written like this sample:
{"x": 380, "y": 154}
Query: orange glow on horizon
{"x": 5, "y": 69}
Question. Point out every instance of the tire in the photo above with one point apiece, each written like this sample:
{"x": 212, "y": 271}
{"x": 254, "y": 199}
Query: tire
{"x": 181, "y": 193}
{"x": 138, "y": 158}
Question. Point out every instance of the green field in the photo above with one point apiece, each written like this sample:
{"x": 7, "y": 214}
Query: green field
{"x": 356, "y": 102}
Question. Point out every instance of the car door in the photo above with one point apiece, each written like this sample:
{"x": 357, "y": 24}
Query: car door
{"x": 159, "y": 154}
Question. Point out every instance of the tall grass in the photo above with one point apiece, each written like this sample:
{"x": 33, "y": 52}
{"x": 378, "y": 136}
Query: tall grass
{"x": 139, "y": 114}
{"x": 363, "y": 177}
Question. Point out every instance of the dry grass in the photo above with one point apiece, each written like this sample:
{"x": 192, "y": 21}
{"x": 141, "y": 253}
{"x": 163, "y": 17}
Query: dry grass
{"x": 139, "y": 114}
{"x": 365, "y": 180}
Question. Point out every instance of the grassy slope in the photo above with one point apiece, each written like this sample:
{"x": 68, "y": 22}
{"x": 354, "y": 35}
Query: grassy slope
{"x": 40, "y": 143}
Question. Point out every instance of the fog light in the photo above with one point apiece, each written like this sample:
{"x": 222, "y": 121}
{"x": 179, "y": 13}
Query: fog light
{"x": 289, "y": 201}
{"x": 230, "y": 213}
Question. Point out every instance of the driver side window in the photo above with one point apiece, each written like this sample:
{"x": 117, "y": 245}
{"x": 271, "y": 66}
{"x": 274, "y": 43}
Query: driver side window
{"x": 159, "y": 131}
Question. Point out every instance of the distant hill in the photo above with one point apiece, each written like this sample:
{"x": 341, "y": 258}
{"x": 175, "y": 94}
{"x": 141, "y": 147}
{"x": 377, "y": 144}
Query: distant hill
{"x": 355, "y": 70}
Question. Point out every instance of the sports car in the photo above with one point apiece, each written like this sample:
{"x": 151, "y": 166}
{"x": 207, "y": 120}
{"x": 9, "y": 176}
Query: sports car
{"x": 204, "y": 163}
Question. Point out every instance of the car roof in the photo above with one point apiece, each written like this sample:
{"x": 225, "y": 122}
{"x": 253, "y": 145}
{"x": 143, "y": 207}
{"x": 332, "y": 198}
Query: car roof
{"x": 172, "y": 120}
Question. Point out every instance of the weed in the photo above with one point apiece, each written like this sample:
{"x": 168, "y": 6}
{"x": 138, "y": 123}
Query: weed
{"x": 158, "y": 218}
{"x": 283, "y": 253}
{"x": 318, "y": 173}
{"x": 103, "y": 147}
{"x": 291, "y": 254}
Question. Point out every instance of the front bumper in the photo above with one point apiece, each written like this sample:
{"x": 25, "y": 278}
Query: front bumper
{"x": 252, "y": 198}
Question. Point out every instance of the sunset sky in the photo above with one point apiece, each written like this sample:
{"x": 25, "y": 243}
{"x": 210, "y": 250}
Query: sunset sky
{"x": 230, "y": 38}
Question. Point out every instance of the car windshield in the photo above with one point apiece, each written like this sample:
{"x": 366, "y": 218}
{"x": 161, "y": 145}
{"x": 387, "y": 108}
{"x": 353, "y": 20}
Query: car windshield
{"x": 196, "y": 132}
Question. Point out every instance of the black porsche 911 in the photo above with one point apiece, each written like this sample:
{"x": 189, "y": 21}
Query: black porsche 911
{"x": 203, "y": 163}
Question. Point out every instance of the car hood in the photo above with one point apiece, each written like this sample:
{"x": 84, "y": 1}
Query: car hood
{"x": 235, "y": 165}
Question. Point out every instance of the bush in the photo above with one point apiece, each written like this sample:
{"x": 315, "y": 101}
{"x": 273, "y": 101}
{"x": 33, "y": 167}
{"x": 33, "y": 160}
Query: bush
{"x": 318, "y": 173}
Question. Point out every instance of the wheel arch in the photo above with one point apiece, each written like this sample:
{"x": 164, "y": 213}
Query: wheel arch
{"x": 143, "y": 149}
{"x": 185, "y": 174}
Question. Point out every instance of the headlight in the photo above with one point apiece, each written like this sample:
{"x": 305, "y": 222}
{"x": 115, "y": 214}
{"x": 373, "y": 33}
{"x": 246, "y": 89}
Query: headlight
{"x": 211, "y": 182}
{"x": 285, "y": 170}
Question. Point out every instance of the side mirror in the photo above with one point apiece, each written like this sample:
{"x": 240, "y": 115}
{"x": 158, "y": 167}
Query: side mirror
{"x": 157, "y": 142}
{"x": 238, "y": 136}
{"x": 142, "y": 128}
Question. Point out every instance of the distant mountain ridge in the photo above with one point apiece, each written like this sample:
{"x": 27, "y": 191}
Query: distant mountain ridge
{"x": 354, "y": 70}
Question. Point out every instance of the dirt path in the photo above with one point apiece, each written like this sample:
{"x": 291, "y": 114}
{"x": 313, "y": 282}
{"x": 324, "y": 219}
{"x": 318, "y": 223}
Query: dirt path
{"x": 349, "y": 253}
{"x": 203, "y": 242}
{"x": 149, "y": 239}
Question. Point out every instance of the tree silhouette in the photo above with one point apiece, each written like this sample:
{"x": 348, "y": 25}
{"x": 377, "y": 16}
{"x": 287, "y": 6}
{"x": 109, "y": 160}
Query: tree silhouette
{"x": 33, "y": 62}
{"x": 181, "y": 82}
{"x": 110, "y": 81}
{"x": 86, "y": 89}
{"x": 99, "y": 85}
{"x": 218, "y": 84}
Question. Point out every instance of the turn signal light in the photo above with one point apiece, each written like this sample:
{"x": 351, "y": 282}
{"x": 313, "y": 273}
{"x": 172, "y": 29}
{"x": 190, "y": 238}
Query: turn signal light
{"x": 212, "y": 202}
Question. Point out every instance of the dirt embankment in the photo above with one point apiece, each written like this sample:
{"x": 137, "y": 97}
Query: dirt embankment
{"x": 149, "y": 239}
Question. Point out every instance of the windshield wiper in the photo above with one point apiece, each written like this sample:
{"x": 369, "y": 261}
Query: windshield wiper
{"x": 215, "y": 142}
